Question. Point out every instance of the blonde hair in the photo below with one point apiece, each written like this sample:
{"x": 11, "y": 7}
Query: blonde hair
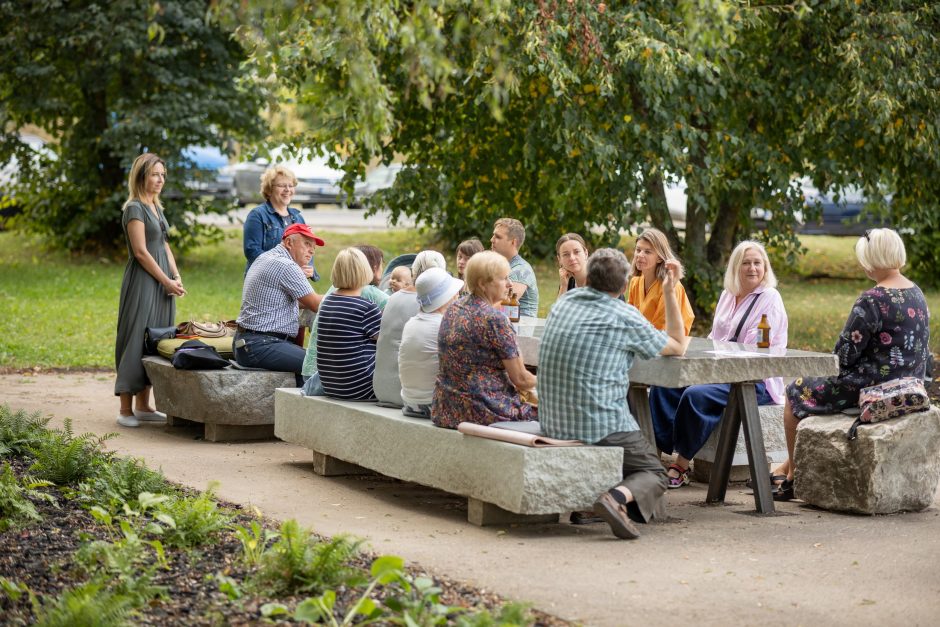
{"x": 270, "y": 175}
{"x": 351, "y": 270}
{"x": 881, "y": 249}
{"x": 732, "y": 272}
{"x": 660, "y": 243}
{"x": 482, "y": 268}
{"x": 514, "y": 229}
{"x": 137, "y": 179}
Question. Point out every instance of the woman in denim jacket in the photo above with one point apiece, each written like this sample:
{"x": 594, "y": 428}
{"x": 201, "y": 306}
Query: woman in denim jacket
{"x": 264, "y": 227}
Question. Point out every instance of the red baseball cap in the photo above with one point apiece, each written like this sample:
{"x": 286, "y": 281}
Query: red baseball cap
{"x": 304, "y": 230}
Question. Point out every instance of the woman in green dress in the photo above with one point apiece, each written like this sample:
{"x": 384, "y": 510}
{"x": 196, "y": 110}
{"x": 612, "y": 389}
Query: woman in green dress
{"x": 151, "y": 280}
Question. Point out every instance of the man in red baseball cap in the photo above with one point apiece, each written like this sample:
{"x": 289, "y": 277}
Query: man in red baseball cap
{"x": 274, "y": 287}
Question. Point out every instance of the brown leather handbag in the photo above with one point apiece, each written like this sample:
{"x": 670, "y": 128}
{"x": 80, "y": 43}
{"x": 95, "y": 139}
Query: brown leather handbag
{"x": 204, "y": 328}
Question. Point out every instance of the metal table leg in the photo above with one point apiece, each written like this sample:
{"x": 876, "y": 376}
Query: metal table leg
{"x": 742, "y": 408}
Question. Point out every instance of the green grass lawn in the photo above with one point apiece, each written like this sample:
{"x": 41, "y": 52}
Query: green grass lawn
{"x": 61, "y": 312}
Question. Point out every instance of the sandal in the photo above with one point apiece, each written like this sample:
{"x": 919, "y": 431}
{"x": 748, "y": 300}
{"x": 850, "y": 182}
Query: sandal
{"x": 681, "y": 480}
{"x": 775, "y": 481}
{"x": 785, "y": 491}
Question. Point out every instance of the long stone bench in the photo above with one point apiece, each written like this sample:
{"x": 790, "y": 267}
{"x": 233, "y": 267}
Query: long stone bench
{"x": 892, "y": 466}
{"x": 775, "y": 443}
{"x": 503, "y": 482}
{"x": 232, "y": 404}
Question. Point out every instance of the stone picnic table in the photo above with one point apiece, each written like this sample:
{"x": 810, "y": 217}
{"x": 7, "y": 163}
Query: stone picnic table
{"x": 708, "y": 361}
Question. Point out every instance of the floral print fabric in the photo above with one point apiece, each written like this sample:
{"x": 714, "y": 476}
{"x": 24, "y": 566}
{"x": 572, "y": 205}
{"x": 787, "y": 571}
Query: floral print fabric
{"x": 472, "y": 385}
{"x": 885, "y": 337}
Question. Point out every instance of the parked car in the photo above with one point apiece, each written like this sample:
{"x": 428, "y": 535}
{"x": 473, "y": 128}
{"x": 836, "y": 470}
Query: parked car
{"x": 210, "y": 175}
{"x": 847, "y": 216}
{"x": 317, "y": 182}
{"x": 378, "y": 178}
{"x": 843, "y": 217}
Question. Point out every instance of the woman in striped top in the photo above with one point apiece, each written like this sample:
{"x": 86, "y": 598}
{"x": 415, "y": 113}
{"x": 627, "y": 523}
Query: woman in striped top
{"x": 347, "y": 328}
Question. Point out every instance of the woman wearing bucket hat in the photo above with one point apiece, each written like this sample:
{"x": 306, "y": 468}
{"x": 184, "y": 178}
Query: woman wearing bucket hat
{"x": 417, "y": 356}
{"x": 401, "y": 307}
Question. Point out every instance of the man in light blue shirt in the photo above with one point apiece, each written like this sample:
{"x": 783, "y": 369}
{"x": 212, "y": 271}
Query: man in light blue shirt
{"x": 508, "y": 237}
{"x": 591, "y": 339}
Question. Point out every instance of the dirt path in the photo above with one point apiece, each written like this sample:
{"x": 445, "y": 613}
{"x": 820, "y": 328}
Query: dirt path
{"x": 711, "y": 565}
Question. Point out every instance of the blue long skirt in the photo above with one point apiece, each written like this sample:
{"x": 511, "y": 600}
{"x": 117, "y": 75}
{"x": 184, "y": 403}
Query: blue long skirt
{"x": 683, "y": 418}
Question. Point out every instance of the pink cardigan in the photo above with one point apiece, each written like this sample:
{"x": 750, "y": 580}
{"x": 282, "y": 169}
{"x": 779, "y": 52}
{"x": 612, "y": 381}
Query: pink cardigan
{"x": 727, "y": 317}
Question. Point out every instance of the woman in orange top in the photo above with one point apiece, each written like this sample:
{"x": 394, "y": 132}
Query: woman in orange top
{"x": 646, "y": 286}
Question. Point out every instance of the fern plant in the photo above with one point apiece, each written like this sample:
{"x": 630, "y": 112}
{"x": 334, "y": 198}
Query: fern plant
{"x": 191, "y": 521}
{"x": 127, "y": 566}
{"x": 19, "y": 431}
{"x": 88, "y": 605}
{"x": 299, "y": 562}
{"x": 121, "y": 482}
{"x": 65, "y": 459}
{"x": 16, "y": 508}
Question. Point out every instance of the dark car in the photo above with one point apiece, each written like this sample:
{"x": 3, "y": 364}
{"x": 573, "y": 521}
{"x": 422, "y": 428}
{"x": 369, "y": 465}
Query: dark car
{"x": 846, "y": 216}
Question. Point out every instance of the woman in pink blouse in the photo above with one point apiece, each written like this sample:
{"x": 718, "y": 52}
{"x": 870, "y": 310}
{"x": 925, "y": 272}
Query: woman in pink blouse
{"x": 683, "y": 418}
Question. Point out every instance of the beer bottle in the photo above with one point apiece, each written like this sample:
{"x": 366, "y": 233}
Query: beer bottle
{"x": 513, "y": 308}
{"x": 504, "y": 305}
{"x": 763, "y": 332}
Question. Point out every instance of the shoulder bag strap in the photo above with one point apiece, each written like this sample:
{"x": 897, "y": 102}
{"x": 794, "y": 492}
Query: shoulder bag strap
{"x": 737, "y": 332}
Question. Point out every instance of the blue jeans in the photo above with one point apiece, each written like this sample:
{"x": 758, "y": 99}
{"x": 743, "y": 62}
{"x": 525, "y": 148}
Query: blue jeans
{"x": 683, "y": 418}
{"x": 270, "y": 353}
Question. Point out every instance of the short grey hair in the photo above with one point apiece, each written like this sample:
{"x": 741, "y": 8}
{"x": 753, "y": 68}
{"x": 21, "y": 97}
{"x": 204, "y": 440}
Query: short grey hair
{"x": 425, "y": 260}
{"x": 607, "y": 270}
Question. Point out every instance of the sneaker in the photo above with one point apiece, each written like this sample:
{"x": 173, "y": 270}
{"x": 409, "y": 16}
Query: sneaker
{"x": 128, "y": 421}
{"x": 615, "y": 515}
{"x": 150, "y": 416}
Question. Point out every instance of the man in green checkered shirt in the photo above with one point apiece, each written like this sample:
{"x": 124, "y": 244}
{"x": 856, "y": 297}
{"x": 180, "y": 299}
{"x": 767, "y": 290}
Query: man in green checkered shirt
{"x": 591, "y": 339}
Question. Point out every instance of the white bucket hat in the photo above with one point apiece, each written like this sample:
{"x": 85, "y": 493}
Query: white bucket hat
{"x": 435, "y": 288}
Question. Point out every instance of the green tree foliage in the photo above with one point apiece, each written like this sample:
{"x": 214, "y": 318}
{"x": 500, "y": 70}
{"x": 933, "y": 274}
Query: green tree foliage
{"x": 107, "y": 81}
{"x": 572, "y": 114}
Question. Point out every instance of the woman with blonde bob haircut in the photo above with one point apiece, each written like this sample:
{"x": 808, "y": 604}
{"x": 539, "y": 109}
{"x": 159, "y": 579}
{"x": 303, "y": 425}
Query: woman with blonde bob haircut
{"x": 885, "y": 337}
{"x": 347, "y": 329}
{"x": 683, "y": 418}
{"x": 482, "y": 378}
{"x": 647, "y": 271}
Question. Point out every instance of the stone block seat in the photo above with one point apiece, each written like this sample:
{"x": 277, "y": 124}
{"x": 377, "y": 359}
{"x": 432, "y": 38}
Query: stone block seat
{"x": 892, "y": 466}
{"x": 503, "y": 482}
{"x": 775, "y": 443}
{"x": 232, "y": 404}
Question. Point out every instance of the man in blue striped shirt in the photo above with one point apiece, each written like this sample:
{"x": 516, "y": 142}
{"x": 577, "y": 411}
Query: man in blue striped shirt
{"x": 591, "y": 339}
{"x": 268, "y": 320}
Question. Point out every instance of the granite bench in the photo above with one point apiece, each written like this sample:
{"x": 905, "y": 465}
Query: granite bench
{"x": 893, "y": 466}
{"x": 232, "y": 404}
{"x": 504, "y": 483}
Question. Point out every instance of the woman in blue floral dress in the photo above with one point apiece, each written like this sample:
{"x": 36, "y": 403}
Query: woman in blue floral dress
{"x": 482, "y": 378}
{"x": 885, "y": 337}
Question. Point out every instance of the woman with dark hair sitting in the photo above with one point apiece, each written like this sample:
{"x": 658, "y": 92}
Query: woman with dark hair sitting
{"x": 886, "y": 337}
{"x": 482, "y": 378}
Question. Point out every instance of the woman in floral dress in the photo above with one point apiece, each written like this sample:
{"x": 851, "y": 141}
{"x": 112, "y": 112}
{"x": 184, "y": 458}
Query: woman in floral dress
{"x": 482, "y": 378}
{"x": 885, "y": 337}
